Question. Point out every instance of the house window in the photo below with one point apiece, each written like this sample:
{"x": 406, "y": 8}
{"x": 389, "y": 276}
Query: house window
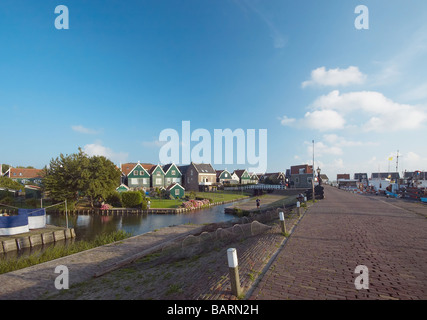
{"x": 225, "y": 175}
{"x": 158, "y": 181}
{"x": 158, "y": 173}
{"x": 177, "y": 192}
{"x": 145, "y": 181}
{"x": 141, "y": 173}
{"x": 191, "y": 171}
{"x": 135, "y": 172}
{"x": 173, "y": 172}
{"x": 296, "y": 180}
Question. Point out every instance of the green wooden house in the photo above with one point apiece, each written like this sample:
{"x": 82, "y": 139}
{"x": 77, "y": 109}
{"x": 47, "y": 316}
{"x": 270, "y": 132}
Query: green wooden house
{"x": 138, "y": 177}
{"x": 176, "y": 190}
{"x": 172, "y": 174}
{"x": 223, "y": 176}
{"x": 243, "y": 175}
{"x": 122, "y": 188}
{"x": 157, "y": 177}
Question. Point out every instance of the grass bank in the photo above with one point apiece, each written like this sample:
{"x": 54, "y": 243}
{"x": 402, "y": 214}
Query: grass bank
{"x": 60, "y": 251}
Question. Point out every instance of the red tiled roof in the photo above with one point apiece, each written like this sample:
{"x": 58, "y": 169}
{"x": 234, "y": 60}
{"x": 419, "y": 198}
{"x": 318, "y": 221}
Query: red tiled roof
{"x": 25, "y": 173}
{"x": 127, "y": 167}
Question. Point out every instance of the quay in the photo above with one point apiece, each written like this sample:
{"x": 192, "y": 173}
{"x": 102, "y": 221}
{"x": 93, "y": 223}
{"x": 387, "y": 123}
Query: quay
{"x": 346, "y": 230}
{"x": 35, "y": 237}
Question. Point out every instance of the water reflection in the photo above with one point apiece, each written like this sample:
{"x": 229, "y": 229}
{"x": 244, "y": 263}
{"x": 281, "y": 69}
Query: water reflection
{"x": 87, "y": 227}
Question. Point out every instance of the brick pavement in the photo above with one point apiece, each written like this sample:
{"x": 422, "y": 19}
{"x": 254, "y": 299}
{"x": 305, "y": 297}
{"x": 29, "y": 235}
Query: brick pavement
{"x": 341, "y": 232}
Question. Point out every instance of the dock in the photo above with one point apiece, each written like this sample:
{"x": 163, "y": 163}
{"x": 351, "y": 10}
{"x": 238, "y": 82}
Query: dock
{"x": 35, "y": 237}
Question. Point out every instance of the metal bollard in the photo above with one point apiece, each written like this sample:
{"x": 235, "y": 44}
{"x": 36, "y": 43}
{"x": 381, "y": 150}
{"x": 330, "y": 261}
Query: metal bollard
{"x": 233, "y": 267}
{"x": 298, "y": 208}
{"x": 282, "y": 222}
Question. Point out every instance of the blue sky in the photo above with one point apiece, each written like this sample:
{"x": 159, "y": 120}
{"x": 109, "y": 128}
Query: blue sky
{"x": 125, "y": 71}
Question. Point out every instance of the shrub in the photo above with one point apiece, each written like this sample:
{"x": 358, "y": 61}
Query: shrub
{"x": 114, "y": 199}
{"x": 131, "y": 199}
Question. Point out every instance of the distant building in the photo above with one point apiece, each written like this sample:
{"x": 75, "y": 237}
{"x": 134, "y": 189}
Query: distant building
{"x": 301, "y": 176}
{"x": 24, "y": 175}
{"x": 343, "y": 176}
{"x": 385, "y": 175}
{"x": 198, "y": 177}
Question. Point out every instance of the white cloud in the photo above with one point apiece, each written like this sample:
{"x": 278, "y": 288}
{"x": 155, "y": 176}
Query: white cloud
{"x": 382, "y": 114}
{"x": 412, "y": 161}
{"x": 286, "y": 121}
{"x": 335, "y": 77}
{"x": 321, "y": 149}
{"x": 342, "y": 142}
{"x": 153, "y": 144}
{"x": 84, "y": 130}
{"x": 97, "y": 149}
{"x": 323, "y": 120}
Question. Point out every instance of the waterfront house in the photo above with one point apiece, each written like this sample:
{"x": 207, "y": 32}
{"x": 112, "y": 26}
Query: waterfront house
{"x": 223, "y": 176}
{"x": 138, "y": 176}
{"x": 254, "y": 178}
{"x": 274, "y": 178}
{"x": 172, "y": 174}
{"x": 243, "y": 175}
{"x": 176, "y": 190}
{"x": 198, "y": 177}
{"x": 157, "y": 177}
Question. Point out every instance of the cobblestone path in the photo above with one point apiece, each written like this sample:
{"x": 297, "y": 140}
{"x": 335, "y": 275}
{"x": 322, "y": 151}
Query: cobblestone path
{"x": 343, "y": 231}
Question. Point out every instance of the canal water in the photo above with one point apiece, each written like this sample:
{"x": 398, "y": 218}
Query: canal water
{"x": 87, "y": 227}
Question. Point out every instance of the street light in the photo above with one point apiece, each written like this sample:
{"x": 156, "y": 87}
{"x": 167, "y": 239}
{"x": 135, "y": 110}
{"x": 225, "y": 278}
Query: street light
{"x": 318, "y": 176}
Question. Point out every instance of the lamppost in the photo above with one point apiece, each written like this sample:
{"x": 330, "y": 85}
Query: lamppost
{"x": 318, "y": 176}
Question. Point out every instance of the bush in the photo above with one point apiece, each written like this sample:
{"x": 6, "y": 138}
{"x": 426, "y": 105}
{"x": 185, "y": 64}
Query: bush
{"x": 114, "y": 199}
{"x": 131, "y": 199}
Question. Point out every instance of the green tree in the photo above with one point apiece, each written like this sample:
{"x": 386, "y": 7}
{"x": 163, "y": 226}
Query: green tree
{"x": 69, "y": 176}
{"x": 8, "y": 183}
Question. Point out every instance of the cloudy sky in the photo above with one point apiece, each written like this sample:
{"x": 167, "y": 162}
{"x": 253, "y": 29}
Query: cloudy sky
{"x": 125, "y": 71}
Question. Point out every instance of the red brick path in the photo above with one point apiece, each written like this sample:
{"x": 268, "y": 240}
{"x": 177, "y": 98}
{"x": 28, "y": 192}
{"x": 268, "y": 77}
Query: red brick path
{"x": 341, "y": 232}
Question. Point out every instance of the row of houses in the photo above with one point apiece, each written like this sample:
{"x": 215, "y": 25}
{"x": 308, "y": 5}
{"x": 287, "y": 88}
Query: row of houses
{"x": 380, "y": 180}
{"x": 195, "y": 176}
{"x": 178, "y": 178}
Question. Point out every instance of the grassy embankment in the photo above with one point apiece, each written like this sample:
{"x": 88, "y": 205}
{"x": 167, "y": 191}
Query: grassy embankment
{"x": 58, "y": 251}
{"x": 217, "y": 196}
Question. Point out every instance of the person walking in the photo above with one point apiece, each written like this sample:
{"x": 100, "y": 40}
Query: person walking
{"x": 258, "y": 202}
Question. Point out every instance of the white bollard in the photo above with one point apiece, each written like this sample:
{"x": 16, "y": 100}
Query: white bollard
{"x": 233, "y": 267}
{"x": 298, "y": 208}
{"x": 282, "y": 222}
